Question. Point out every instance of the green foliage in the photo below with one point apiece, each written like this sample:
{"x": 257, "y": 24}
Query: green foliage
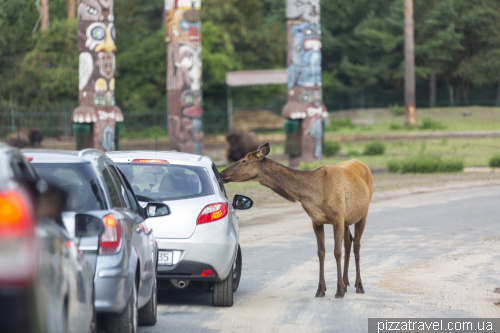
{"x": 331, "y": 147}
{"x": 150, "y": 133}
{"x": 425, "y": 164}
{"x": 429, "y": 123}
{"x": 351, "y": 153}
{"x": 309, "y": 166}
{"x": 397, "y": 110}
{"x": 337, "y": 123}
{"x": 494, "y": 161}
{"x": 49, "y": 72}
{"x": 374, "y": 148}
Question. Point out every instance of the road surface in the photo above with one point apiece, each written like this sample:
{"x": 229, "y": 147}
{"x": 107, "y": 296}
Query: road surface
{"x": 424, "y": 255}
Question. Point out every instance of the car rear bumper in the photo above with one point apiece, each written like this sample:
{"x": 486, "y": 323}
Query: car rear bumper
{"x": 212, "y": 246}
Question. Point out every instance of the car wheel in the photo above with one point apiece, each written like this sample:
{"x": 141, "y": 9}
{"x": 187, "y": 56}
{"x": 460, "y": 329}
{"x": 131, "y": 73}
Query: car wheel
{"x": 237, "y": 270}
{"x": 125, "y": 322}
{"x": 147, "y": 314}
{"x": 223, "y": 292}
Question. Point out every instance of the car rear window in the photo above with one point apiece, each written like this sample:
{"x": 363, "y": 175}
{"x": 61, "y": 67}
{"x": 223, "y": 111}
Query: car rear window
{"x": 167, "y": 182}
{"x": 78, "y": 180}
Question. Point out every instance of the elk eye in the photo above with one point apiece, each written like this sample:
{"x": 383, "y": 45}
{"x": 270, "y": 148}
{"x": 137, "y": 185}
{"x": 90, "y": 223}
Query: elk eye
{"x": 243, "y": 162}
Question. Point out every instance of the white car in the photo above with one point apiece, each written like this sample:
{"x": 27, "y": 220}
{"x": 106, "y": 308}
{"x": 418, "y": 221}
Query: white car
{"x": 199, "y": 241}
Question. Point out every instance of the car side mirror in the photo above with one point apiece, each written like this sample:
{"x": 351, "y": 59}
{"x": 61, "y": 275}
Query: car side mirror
{"x": 88, "y": 225}
{"x": 242, "y": 202}
{"x": 156, "y": 209}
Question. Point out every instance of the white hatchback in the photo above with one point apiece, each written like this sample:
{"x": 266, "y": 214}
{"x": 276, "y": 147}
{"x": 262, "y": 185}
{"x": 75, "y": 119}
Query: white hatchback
{"x": 199, "y": 241}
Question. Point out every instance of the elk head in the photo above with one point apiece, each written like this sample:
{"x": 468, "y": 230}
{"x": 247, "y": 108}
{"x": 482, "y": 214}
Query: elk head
{"x": 247, "y": 168}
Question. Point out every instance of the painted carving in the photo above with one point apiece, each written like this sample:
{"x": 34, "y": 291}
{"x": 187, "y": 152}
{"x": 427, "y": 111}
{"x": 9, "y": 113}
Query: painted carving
{"x": 96, "y": 43}
{"x": 304, "y": 101}
{"x": 304, "y": 10}
{"x": 184, "y": 75}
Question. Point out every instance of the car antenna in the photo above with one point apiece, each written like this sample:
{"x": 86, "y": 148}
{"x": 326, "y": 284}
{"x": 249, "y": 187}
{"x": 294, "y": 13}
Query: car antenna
{"x": 157, "y": 144}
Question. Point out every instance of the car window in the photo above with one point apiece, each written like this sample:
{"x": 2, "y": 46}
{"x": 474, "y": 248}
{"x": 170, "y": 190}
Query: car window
{"x": 219, "y": 179}
{"x": 114, "y": 195}
{"x": 167, "y": 182}
{"x": 78, "y": 180}
{"x": 130, "y": 193}
{"x": 120, "y": 186}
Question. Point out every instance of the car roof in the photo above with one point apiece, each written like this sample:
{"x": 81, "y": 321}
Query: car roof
{"x": 171, "y": 156}
{"x": 93, "y": 156}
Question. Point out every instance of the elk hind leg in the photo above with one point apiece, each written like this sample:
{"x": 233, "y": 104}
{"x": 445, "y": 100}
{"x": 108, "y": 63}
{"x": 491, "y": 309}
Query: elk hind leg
{"x": 347, "y": 247}
{"x": 319, "y": 231}
{"x": 358, "y": 232}
{"x": 338, "y": 235}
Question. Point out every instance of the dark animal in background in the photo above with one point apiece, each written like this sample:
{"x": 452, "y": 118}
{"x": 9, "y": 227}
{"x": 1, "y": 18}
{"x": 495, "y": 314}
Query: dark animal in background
{"x": 25, "y": 138}
{"x": 240, "y": 143}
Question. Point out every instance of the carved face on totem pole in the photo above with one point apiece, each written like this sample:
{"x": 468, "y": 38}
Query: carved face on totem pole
{"x": 96, "y": 43}
{"x": 304, "y": 104}
{"x": 184, "y": 74}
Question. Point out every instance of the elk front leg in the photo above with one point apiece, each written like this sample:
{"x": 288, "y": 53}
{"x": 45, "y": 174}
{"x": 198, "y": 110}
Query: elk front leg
{"x": 347, "y": 249}
{"x": 319, "y": 231}
{"x": 358, "y": 232}
{"x": 338, "y": 235}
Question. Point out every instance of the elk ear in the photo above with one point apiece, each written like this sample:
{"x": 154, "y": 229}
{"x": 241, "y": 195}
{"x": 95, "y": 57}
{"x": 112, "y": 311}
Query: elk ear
{"x": 263, "y": 151}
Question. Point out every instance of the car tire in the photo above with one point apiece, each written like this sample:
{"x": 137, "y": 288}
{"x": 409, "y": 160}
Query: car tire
{"x": 238, "y": 263}
{"x": 127, "y": 321}
{"x": 148, "y": 314}
{"x": 223, "y": 292}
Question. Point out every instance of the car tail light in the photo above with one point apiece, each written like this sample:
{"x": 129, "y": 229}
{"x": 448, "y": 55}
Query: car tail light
{"x": 207, "y": 272}
{"x": 212, "y": 213}
{"x": 17, "y": 241}
{"x": 141, "y": 160}
{"x": 111, "y": 239}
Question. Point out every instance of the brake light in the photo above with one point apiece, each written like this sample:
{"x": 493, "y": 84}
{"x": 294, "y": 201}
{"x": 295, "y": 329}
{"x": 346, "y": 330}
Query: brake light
{"x": 15, "y": 217}
{"x": 111, "y": 239}
{"x": 212, "y": 213}
{"x": 207, "y": 272}
{"x": 140, "y": 160}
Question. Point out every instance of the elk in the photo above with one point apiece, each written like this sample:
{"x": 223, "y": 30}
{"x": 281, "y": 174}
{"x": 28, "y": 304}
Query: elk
{"x": 333, "y": 194}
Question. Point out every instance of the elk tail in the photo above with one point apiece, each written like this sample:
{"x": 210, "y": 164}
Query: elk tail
{"x": 350, "y": 235}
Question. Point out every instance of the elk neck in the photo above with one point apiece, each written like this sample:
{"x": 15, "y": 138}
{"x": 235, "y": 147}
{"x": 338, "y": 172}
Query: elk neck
{"x": 293, "y": 185}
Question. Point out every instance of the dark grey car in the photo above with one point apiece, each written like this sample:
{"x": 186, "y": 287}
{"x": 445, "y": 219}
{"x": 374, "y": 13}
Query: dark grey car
{"x": 124, "y": 257}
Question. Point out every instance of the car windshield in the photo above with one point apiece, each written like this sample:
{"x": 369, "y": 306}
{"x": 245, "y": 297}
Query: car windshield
{"x": 78, "y": 180}
{"x": 166, "y": 181}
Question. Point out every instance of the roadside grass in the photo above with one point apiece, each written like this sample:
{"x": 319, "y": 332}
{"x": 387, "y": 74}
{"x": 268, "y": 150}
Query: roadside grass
{"x": 440, "y": 119}
{"x": 473, "y": 152}
{"x": 149, "y": 133}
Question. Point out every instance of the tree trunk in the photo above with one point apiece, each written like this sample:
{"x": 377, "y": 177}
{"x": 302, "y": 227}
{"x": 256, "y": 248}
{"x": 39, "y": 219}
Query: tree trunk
{"x": 498, "y": 95}
{"x": 432, "y": 90}
{"x": 44, "y": 14}
{"x": 465, "y": 92}
{"x": 409, "y": 65}
{"x": 71, "y": 9}
{"x": 450, "y": 91}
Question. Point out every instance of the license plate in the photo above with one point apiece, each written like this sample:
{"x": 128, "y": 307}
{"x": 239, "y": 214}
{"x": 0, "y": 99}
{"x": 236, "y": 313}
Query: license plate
{"x": 165, "y": 258}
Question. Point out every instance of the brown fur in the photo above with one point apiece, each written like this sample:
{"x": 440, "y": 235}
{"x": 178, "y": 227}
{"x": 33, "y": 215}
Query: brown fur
{"x": 334, "y": 194}
{"x": 240, "y": 143}
{"x": 26, "y": 137}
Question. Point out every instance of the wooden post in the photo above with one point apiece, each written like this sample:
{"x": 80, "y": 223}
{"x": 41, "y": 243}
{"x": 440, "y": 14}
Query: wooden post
{"x": 409, "y": 64}
{"x": 44, "y": 13}
{"x": 229, "y": 109}
{"x": 71, "y": 9}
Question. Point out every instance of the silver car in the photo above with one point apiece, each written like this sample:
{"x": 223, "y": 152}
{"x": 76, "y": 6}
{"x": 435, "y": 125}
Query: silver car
{"x": 46, "y": 285}
{"x": 199, "y": 241}
{"x": 124, "y": 257}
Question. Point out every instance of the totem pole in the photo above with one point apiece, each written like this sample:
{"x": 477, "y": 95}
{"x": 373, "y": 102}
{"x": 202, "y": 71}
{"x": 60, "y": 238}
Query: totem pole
{"x": 184, "y": 96}
{"x": 304, "y": 108}
{"x": 96, "y": 118}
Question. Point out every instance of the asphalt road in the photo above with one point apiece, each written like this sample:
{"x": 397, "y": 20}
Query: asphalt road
{"x": 424, "y": 255}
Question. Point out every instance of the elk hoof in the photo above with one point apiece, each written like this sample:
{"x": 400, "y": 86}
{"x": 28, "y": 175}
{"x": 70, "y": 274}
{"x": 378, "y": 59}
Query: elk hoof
{"x": 320, "y": 293}
{"x": 360, "y": 290}
{"x": 340, "y": 294}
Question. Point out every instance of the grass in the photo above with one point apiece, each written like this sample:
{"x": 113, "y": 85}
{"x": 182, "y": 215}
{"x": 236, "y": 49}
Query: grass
{"x": 481, "y": 119}
{"x": 494, "y": 161}
{"x": 331, "y": 147}
{"x": 426, "y": 164}
{"x": 473, "y": 152}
